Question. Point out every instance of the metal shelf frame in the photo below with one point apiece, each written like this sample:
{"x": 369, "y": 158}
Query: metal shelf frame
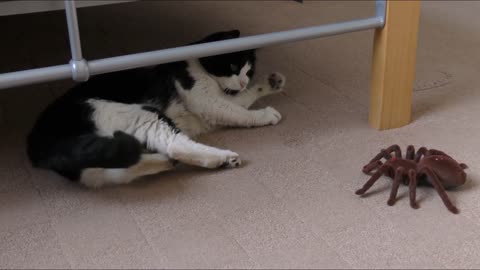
{"x": 80, "y": 69}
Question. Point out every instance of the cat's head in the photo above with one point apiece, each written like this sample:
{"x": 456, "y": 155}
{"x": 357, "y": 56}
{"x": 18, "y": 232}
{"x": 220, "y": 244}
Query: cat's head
{"x": 232, "y": 71}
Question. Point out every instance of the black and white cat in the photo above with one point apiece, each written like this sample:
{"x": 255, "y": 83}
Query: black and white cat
{"x": 119, "y": 126}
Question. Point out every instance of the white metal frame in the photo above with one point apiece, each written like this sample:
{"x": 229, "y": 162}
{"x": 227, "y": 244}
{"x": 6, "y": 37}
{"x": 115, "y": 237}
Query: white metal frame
{"x": 80, "y": 69}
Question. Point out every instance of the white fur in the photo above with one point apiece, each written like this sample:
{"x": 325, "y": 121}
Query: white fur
{"x": 207, "y": 91}
{"x": 132, "y": 119}
{"x": 190, "y": 124}
{"x": 148, "y": 164}
{"x": 207, "y": 100}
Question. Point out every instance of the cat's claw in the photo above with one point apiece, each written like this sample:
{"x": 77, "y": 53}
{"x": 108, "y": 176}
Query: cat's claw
{"x": 276, "y": 81}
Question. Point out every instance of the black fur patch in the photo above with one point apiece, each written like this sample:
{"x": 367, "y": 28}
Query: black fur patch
{"x": 169, "y": 73}
{"x": 162, "y": 117}
{"x": 69, "y": 157}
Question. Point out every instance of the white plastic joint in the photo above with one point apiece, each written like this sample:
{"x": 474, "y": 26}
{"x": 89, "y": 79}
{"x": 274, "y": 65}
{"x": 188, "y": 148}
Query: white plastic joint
{"x": 80, "y": 70}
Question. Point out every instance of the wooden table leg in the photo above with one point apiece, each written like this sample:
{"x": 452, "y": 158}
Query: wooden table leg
{"x": 393, "y": 72}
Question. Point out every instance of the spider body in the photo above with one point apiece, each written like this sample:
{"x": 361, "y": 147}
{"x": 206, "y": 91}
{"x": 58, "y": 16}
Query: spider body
{"x": 429, "y": 167}
{"x": 450, "y": 173}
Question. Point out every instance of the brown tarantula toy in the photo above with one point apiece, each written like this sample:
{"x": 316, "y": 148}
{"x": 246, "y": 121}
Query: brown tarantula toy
{"x": 431, "y": 167}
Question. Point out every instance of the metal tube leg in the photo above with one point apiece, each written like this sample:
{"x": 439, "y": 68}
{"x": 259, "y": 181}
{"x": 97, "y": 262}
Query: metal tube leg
{"x": 381, "y": 10}
{"x": 79, "y": 66}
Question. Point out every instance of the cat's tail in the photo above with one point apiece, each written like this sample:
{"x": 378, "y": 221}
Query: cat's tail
{"x": 70, "y": 156}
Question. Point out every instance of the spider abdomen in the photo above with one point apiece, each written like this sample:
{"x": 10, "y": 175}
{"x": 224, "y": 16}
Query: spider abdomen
{"x": 447, "y": 170}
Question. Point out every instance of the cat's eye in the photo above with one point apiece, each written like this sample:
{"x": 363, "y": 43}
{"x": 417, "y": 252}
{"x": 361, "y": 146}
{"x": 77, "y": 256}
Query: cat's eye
{"x": 234, "y": 68}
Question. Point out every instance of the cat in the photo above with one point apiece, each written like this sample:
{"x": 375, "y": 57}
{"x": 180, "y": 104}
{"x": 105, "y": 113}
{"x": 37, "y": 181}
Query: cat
{"x": 120, "y": 126}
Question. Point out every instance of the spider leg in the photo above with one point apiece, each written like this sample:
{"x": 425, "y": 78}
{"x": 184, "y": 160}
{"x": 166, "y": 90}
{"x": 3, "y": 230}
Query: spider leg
{"x": 386, "y": 153}
{"x": 412, "y": 187}
{"x": 463, "y": 166}
{"x": 440, "y": 190}
{"x": 367, "y": 169}
{"x": 383, "y": 169}
{"x": 380, "y": 155}
{"x": 395, "y": 148}
{"x": 421, "y": 152}
{"x": 410, "y": 152}
{"x": 396, "y": 183}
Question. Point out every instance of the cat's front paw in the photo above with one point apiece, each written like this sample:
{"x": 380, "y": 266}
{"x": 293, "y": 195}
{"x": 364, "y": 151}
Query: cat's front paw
{"x": 276, "y": 81}
{"x": 271, "y": 116}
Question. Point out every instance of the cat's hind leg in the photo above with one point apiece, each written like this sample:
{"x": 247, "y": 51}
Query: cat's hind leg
{"x": 189, "y": 152}
{"x": 96, "y": 160}
{"x": 147, "y": 165}
{"x": 159, "y": 134}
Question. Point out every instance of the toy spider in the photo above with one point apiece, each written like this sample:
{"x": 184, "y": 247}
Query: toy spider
{"x": 431, "y": 167}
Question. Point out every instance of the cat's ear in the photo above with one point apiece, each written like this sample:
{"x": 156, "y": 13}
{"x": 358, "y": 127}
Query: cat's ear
{"x": 220, "y": 36}
{"x": 234, "y": 33}
{"x": 226, "y": 35}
